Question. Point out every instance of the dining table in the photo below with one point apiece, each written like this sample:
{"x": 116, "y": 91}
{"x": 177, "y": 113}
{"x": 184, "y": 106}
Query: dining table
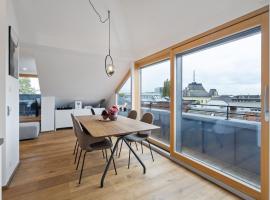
{"x": 123, "y": 126}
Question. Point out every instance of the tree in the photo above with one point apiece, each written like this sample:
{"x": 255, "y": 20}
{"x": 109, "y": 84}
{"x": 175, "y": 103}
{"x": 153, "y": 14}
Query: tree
{"x": 166, "y": 88}
{"x": 25, "y": 86}
{"x": 121, "y": 94}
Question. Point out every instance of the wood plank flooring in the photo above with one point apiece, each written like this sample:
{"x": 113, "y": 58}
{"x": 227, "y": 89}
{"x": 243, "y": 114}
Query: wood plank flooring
{"x": 46, "y": 172}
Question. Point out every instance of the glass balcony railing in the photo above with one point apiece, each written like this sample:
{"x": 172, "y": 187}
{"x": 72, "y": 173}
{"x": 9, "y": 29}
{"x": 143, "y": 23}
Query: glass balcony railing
{"x": 161, "y": 113}
{"x": 231, "y": 146}
{"x": 227, "y": 138}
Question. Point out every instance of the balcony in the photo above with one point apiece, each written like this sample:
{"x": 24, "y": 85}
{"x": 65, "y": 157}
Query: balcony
{"x": 228, "y": 141}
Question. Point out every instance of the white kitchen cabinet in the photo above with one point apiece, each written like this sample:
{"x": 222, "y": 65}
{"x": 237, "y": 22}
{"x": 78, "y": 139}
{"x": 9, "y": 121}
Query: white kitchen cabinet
{"x": 47, "y": 113}
{"x": 82, "y": 112}
{"x": 63, "y": 118}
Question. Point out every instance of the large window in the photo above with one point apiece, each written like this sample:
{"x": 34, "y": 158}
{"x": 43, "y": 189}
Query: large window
{"x": 219, "y": 105}
{"x": 124, "y": 99}
{"x": 155, "y": 97}
{"x": 29, "y": 97}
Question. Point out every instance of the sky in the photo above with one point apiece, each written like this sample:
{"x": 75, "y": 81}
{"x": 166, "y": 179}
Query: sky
{"x": 232, "y": 68}
{"x": 35, "y": 84}
{"x": 154, "y": 76}
{"x": 126, "y": 88}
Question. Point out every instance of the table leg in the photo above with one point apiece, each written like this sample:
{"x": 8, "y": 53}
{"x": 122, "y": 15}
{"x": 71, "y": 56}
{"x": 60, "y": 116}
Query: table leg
{"x": 144, "y": 168}
{"x": 109, "y": 162}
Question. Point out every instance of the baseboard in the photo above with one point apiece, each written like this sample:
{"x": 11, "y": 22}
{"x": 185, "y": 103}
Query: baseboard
{"x": 11, "y": 177}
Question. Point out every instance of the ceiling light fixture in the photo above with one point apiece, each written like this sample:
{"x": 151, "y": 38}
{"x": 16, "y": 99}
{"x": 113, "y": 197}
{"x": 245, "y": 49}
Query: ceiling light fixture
{"x": 109, "y": 66}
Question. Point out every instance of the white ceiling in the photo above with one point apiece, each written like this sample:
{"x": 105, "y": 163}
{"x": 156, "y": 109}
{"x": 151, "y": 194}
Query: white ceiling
{"x": 69, "y": 44}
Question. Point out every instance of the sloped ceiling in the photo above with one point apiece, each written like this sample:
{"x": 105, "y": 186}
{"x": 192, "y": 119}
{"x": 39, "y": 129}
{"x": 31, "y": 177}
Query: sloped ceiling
{"x": 69, "y": 44}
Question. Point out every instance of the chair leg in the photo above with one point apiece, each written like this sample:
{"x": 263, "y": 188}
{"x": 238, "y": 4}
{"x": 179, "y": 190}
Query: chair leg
{"x": 116, "y": 151}
{"x": 82, "y": 167}
{"x": 142, "y": 147}
{"x": 110, "y": 139}
{"x": 151, "y": 151}
{"x": 76, "y": 154}
{"x": 106, "y": 155}
{"x": 113, "y": 162}
{"x": 75, "y": 147}
{"x": 79, "y": 159}
{"x": 136, "y": 146}
{"x": 129, "y": 156}
{"x": 120, "y": 148}
{"x": 103, "y": 154}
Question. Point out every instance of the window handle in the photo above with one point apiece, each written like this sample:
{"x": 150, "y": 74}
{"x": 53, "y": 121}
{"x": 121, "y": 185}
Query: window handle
{"x": 266, "y": 103}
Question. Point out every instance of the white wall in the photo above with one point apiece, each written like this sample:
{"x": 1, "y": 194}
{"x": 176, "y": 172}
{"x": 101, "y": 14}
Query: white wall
{"x": 0, "y": 172}
{"x": 11, "y": 147}
{"x": 9, "y": 97}
{"x": 71, "y": 75}
{"x": 3, "y": 43}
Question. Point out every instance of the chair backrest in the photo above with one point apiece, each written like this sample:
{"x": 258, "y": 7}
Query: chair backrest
{"x": 93, "y": 111}
{"x": 147, "y": 118}
{"x": 73, "y": 122}
{"x": 84, "y": 138}
{"x": 132, "y": 114}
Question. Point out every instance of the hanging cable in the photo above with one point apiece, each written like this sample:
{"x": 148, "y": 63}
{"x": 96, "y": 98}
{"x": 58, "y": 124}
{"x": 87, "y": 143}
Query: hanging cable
{"x": 98, "y": 14}
{"x": 109, "y": 66}
{"x": 109, "y": 17}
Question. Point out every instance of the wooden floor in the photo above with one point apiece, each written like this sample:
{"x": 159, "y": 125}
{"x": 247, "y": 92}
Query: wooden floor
{"x": 46, "y": 172}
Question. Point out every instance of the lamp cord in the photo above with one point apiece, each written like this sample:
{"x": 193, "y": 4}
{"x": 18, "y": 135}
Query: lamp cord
{"x": 103, "y": 21}
{"x": 98, "y": 14}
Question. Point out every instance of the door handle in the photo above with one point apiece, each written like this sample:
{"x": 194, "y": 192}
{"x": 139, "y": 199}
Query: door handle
{"x": 266, "y": 103}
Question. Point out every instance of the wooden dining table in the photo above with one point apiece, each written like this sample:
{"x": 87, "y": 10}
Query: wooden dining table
{"x": 123, "y": 126}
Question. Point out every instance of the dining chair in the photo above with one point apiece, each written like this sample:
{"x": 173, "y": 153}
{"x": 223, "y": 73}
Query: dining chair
{"x": 132, "y": 115}
{"x": 76, "y": 147}
{"x": 94, "y": 113}
{"x": 88, "y": 143}
{"x": 140, "y": 137}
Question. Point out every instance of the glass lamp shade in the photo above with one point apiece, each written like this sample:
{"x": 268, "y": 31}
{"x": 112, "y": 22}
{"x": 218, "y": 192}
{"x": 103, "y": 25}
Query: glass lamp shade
{"x": 109, "y": 67}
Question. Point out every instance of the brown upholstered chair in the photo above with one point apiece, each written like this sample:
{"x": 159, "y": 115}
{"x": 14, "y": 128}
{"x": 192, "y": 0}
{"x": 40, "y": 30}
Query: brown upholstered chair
{"x": 132, "y": 115}
{"x": 89, "y": 143}
{"x": 76, "y": 149}
{"x": 142, "y": 136}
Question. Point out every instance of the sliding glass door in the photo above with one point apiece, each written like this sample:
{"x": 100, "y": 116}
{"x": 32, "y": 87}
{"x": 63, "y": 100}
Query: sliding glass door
{"x": 218, "y": 105}
{"x": 155, "y": 98}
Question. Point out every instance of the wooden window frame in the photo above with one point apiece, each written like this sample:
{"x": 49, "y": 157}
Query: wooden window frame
{"x": 256, "y": 18}
{"x": 144, "y": 63}
{"x": 28, "y": 76}
{"x": 25, "y": 119}
{"x": 123, "y": 81}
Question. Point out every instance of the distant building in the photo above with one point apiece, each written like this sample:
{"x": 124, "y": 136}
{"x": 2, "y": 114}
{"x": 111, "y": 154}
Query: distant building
{"x": 150, "y": 96}
{"x": 226, "y": 98}
{"x": 213, "y": 92}
{"x": 246, "y": 98}
{"x": 158, "y": 90}
{"x": 196, "y": 92}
